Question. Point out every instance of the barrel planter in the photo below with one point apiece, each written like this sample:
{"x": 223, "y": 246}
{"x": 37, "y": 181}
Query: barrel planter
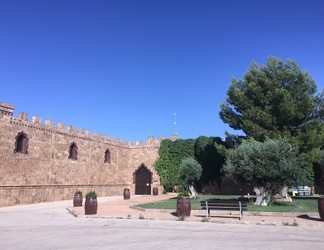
{"x": 77, "y": 200}
{"x": 183, "y": 206}
{"x": 126, "y": 194}
{"x": 155, "y": 191}
{"x": 321, "y": 208}
{"x": 91, "y": 205}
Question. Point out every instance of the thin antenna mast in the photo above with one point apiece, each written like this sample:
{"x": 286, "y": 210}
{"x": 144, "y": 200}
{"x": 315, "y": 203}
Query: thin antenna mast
{"x": 175, "y": 123}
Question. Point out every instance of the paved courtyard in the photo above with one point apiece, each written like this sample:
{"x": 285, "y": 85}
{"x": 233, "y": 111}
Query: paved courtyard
{"x": 52, "y": 226}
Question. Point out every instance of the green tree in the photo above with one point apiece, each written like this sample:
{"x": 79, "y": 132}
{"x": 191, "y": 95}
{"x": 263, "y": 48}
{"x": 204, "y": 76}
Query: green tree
{"x": 210, "y": 160}
{"x": 278, "y": 99}
{"x": 319, "y": 168}
{"x": 190, "y": 171}
{"x": 268, "y": 166}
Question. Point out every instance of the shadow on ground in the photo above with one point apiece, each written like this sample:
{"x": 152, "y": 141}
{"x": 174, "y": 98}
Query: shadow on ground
{"x": 307, "y": 217}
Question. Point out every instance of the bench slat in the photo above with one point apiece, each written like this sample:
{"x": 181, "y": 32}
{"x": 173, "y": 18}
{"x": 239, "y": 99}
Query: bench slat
{"x": 224, "y": 203}
{"x": 223, "y": 207}
{"x": 226, "y": 209}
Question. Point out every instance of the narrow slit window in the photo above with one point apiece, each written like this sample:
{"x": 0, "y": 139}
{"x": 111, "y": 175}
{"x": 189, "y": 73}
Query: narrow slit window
{"x": 21, "y": 143}
{"x": 107, "y": 156}
{"x": 73, "y": 153}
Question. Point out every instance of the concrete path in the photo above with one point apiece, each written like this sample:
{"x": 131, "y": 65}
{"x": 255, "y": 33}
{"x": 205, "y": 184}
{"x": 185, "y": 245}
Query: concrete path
{"x": 51, "y": 226}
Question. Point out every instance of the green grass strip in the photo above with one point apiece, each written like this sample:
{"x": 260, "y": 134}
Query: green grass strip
{"x": 299, "y": 204}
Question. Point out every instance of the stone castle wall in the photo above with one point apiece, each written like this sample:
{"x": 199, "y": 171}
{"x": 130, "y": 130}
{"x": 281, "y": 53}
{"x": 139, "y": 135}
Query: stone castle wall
{"x": 46, "y": 173}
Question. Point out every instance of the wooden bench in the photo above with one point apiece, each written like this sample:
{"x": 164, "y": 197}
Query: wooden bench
{"x": 223, "y": 204}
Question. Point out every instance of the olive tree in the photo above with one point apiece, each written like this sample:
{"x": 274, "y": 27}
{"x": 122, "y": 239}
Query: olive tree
{"x": 268, "y": 166}
{"x": 190, "y": 171}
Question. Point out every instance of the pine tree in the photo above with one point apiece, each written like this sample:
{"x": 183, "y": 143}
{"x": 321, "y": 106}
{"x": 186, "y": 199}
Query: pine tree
{"x": 278, "y": 100}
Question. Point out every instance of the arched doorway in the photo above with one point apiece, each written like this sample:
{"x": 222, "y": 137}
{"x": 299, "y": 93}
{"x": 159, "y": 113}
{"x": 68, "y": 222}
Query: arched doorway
{"x": 143, "y": 179}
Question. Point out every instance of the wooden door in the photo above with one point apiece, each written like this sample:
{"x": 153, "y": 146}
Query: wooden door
{"x": 143, "y": 181}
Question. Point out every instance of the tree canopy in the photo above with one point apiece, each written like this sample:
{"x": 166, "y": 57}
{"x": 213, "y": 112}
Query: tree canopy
{"x": 190, "y": 171}
{"x": 210, "y": 159}
{"x": 278, "y": 100}
{"x": 268, "y": 165}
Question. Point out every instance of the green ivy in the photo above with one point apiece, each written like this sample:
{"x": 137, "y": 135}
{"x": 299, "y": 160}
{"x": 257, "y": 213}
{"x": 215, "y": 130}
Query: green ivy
{"x": 202, "y": 149}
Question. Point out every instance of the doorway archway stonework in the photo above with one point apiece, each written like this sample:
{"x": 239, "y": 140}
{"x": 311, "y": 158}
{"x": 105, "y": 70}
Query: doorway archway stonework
{"x": 142, "y": 178}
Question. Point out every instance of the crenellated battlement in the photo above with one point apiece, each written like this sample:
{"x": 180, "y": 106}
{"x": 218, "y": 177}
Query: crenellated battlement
{"x": 48, "y": 161}
{"x": 7, "y": 110}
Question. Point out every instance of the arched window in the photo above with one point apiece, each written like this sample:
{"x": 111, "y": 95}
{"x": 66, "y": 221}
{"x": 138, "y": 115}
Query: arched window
{"x": 73, "y": 152}
{"x": 107, "y": 156}
{"x": 21, "y": 143}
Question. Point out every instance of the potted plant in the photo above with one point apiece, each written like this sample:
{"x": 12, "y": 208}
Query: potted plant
{"x": 91, "y": 204}
{"x": 183, "y": 202}
{"x": 126, "y": 194}
{"x": 190, "y": 171}
{"x": 77, "y": 198}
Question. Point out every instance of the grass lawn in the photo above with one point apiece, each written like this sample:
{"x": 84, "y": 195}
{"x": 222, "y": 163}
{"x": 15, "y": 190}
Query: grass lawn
{"x": 299, "y": 204}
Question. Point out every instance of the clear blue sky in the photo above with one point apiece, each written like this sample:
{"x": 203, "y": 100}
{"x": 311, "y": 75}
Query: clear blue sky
{"x": 122, "y": 68}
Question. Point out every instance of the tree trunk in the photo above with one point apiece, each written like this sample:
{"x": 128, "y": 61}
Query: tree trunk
{"x": 284, "y": 192}
{"x": 192, "y": 191}
{"x": 262, "y": 196}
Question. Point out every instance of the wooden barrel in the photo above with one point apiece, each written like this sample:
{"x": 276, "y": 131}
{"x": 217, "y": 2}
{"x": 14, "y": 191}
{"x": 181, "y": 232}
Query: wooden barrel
{"x": 155, "y": 191}
{"x": 321, "y": 208}
{"x": 77, "y": 200}
{"x": 126, "y": 194}
{"x": 91, "y": 205}
{"x": 183, "y": 206}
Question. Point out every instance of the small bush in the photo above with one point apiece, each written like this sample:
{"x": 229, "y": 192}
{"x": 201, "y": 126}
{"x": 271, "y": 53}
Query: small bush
{"x": 181, "y": 218}
{"x": 294, "y": 224}
{"x": 205, "y": 219}
{"x": 78, "y": 192}
{"x": 91, "y": 194}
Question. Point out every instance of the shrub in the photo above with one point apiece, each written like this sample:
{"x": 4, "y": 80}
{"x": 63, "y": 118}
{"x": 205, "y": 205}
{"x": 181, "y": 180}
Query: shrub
{"x": 78, "y": 192}
{"x": 91, "y": 194}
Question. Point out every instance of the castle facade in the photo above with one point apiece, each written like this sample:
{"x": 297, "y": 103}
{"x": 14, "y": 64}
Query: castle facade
{"x": 41, "y": 163}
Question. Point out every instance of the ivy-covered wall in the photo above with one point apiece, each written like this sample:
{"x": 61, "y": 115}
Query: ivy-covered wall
{"x": 202, "y": 149}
